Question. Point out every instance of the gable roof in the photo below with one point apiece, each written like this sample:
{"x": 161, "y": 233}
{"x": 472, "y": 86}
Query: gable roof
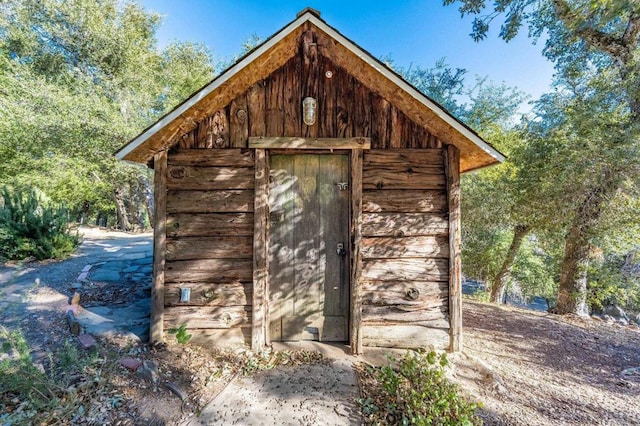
{"x": 256, "y": 65}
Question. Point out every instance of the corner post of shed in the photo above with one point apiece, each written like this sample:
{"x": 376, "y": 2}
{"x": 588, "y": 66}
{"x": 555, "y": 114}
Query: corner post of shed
{"x": 260, "y": 251}
{"x": 356, "y": 223}
{"x": 156, "y": 331}
{"x": 452, "y": 167}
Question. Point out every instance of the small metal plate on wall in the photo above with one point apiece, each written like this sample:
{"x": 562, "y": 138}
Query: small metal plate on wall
{"x": 342, "y": 186}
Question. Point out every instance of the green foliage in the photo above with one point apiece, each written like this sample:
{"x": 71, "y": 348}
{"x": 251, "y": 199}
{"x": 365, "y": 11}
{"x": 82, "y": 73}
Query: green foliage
{"x": 181, "y": 334}
{"x": 32, "y": 226}
{"x": 78, "y": 79}
{"x": 413, "y": 390}
{"x": 615, "y": 280}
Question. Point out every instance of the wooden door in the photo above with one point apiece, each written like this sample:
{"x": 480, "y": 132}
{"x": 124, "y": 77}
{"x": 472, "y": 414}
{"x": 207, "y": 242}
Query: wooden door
{"x": 308, "y": 223}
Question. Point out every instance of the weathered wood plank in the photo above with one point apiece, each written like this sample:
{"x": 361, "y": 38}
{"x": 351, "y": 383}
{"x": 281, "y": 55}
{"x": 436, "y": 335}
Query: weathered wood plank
{"x": 326, "y": 120}
{"x": 404, "y": 201}
{"x": 396, "y": 120}
{"x": 410, "y": 293}
{"x": 211, "y": 294}
{"x": 227, "y": 247}
{"x": 455, "y": 273}
{"x": 403, "y": 224}
{"x": 209, "y": 270}
{"x": 256, "y": 107}
{"x": 274, "y": 101}
{"x": 403, "y": 247}
{"x": 380, "y": 112}
{"x": 202, "y": 178}
{"x": 309, "y": 143}
{"x": 207, "y": 316}
{"x": 412, "y": 269}
{"x": 210, "y": 201}
{"x": 209, "y": 224}
{"x": 221, "y": 338}
{"x": 310, "y": 75}
{"x": 238, "y": 122}
{"x": 362, "y": 107}
{"x": 292, "y": 99}
{"x": 434, "y": 315}
{"x": 384, "y": 177}
{"x": 260, "y": 252}
{"x": 405, "y": 336}
{"x": 159, "y": 241}
{"x": 404, "y": 158}
{"x": 212, "y": 158}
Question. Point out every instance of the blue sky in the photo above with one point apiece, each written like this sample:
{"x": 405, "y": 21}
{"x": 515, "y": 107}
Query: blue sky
{"x": 412, "y": 32}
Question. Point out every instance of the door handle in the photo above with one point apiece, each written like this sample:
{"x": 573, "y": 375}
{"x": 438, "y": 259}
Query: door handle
{"x": 340, "y": 250}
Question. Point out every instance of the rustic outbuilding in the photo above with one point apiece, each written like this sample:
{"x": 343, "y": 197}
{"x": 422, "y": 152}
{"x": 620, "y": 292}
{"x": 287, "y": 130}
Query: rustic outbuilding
{"x": 309, "y": 193}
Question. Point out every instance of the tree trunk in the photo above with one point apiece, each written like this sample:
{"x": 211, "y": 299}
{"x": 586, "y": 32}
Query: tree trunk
{"x": 121, "y": 211}
{"x": 499, "y": 283}
{"x": 572, "y": 291}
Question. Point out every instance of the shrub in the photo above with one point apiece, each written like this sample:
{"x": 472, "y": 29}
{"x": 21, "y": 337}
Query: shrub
{"x": 413, "y": 390}
{"x": 32, "y": 226}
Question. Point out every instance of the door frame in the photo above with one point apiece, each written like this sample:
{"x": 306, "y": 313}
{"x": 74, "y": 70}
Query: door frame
{"x": 260, "y": 301}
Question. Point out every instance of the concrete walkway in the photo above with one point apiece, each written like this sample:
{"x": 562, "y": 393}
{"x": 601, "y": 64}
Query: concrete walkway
{"x": 311, "y": 394}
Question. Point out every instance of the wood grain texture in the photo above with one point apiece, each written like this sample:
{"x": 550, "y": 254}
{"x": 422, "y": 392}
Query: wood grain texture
{"x": 260, "y": 253}
{"x": 402, "y": 158}
{"x": 404, "y": 247}
{"x": 211, "y": 158}
{"x": 405, "y": 336}
{"x": 409, "y": 293}
{"x": 205, "y": 178}
{"x": 455, "y": 264}
{"x": 209, "y": 224}
{"x": 405, "y": 269}
{"x": 207, "y": 316}
{"x": 404, "y": 224}
{"x": 432, "y": 316}
{"x": 210, "y": 201}
{"x": 226, "y": 247}
{"x": 209, "y": 270}
{"x": 404, "y": 201}
{"x": 309, "y": 143}
{"x": 209, "y": 338}
{"x": 156, "y": 331}
{"x": 356, "y": 257}
{"x": 210, "y": 294}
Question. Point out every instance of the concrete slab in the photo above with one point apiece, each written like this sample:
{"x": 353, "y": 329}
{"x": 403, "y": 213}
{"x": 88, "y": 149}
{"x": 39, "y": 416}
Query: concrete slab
{"x": 307, "y": 394}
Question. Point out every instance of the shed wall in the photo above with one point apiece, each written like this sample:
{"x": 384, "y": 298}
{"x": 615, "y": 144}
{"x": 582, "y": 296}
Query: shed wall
{"x": 210, "y": 211}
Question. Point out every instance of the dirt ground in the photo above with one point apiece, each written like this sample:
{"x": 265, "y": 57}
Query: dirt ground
{"x": 525, "y": 367}
{"x": 532, "y": 368}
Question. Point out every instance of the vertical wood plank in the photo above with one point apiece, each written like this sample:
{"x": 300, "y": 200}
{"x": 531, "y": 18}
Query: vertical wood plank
{"x": 274, "y": 100}
{"x": 310, "y": 77}
{"x": 452, "y": 167}
{"x": 238, "y": 123}
{"x": 260, "y": 253}
{"x": 356, "y": 261}
{"x": 380, "y": 122}
{"x": 159, "y": 245}
{"x": 256, "y": 108}
{"x": 292, "y": 99}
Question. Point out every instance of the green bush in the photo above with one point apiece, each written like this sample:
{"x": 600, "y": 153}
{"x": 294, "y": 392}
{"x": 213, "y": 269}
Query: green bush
{"x": 413, "y": 390}
{"x": 32, "y": 226}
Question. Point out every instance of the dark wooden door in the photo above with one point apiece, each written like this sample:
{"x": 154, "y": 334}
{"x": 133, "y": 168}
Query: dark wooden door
{"x": 308, "y": 271}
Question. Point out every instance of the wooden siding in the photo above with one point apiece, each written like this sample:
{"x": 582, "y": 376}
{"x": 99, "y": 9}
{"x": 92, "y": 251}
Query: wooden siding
{"x": 346, "y": 108}
{"x": 400, "y": 265}
{"x": 405, "y": 249}
{"x": 209, "y": 245}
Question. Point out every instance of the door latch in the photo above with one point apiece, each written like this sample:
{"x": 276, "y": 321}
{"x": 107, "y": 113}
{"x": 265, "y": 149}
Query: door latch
{"x": 342, "y": 186}
{"x": 340, "y": 250}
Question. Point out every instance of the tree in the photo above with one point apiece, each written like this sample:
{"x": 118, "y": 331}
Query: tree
{"x": 595, "y": 47}
{"x": 79, "y": 79}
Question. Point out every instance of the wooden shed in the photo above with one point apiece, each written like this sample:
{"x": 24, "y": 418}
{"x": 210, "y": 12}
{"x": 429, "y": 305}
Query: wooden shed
{"x": 309, "y": 193}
